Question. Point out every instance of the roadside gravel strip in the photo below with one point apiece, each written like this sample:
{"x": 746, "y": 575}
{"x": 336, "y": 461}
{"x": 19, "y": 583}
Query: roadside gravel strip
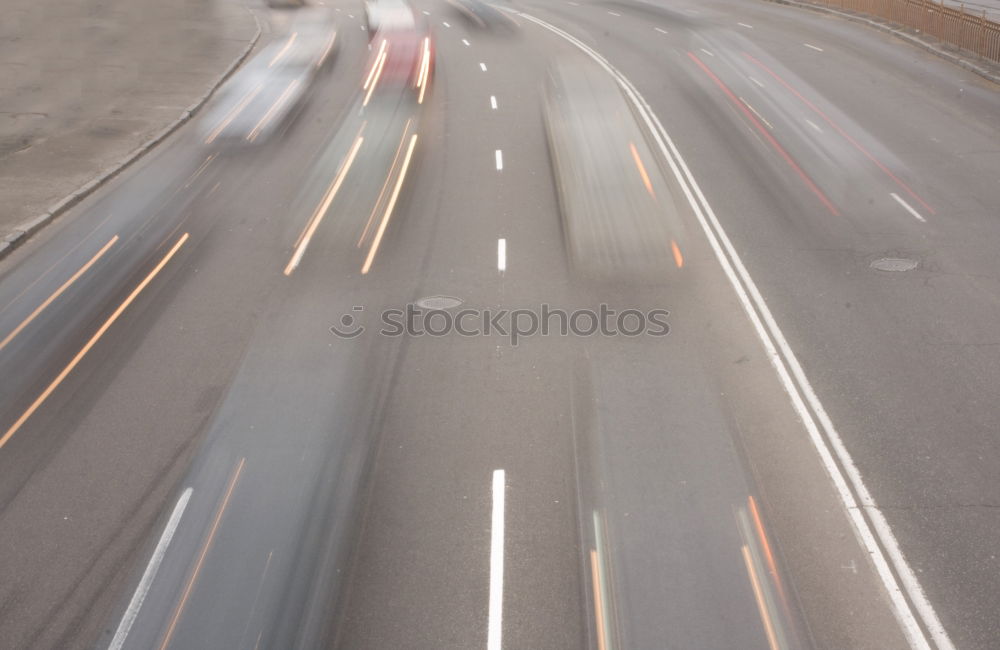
{"x": 20, "y": 233}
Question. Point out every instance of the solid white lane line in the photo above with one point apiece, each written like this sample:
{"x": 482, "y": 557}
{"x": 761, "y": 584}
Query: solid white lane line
{"x": 818, "y": 49}
{"x": 466, "y": 42}
{"x": 813, "y": 125}
{"x": 499, "y": 155}
{"x": 501, "y": 255}
{"x": 906, "y": 206}
{"x": 662, "y": 31}
{"x": 132, "y": 611}
{"x": 482, "y": 66}
{"x": 797, "y": 386}
{"x": 493, "y": 102}
{"x": 706, "y": 51}
{"x": 496, "y": 563}
{"x": 756, "y": 82}
{"x": 745, "y": 25}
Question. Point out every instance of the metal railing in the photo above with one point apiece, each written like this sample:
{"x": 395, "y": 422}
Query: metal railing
{"x": 972, "y": 32}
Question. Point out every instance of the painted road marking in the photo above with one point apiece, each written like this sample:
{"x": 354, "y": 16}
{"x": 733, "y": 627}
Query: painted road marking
{"x": 501, "y": 255}
{"x": 493, "y": 102}
{"x": 818, "y": 49}
{"x": 499, "y": 156}
{"x": 496, "y": 563}
{"x": 132, "y": 611}
{"x": 906, "y": 206}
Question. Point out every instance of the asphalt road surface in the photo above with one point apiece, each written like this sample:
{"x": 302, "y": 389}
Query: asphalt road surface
{"x": 191, "y": 457}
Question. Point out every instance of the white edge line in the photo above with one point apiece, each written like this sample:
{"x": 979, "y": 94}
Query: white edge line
{"x": 499, "y": 156}
{"x": 132, "y": 611}
{"x": 735, "y": 272}
{"x": 501, "y": 254}
{"x": 906, "y": 206}
{"x": 495, "y": 627}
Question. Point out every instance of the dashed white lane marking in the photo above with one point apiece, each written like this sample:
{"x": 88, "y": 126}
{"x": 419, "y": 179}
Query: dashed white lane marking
{"x": 493, "y": 102}
{"x": 818, "y": 49}
{"x": 501, "y": 255}
{"x": 350, "y": 15}
{"x": 706, "y": 51}
{"x": 150, "y": 573}
{"x": 759, "y": 116}
{"x": 756, "y": 82}
{"x": 466, "y": 42}
{"x": 906, "y": 206}
{"x": 611, "y": 13}
{"x": 446, "y": 24}
{"x": 496, "y": 563}
{"x": 662, "y": 31}
{"x": 426, "y": 13}
{"x": 499, "y": 155}
{"x": 745, "y": 25}
{"x": 813, "y": 125}
{"x": 482, "y": 66}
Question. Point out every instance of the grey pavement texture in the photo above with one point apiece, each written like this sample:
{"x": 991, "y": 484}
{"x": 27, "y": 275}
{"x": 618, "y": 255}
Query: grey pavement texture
{"x": 85, "y": 83}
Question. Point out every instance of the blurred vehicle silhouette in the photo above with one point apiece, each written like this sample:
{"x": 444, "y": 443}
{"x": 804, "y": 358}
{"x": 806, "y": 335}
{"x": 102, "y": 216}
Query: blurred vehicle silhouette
{"x": 388, "y": 14}
{"x": 483, "y": 15}
{"x": 619, "y": 216}
{"x": 262, "y": 97}
{"x": 402, "y": 56}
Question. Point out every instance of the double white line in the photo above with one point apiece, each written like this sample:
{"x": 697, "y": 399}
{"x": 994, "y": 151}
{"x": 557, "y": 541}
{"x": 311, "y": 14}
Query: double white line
{"x": 921, "y": 626}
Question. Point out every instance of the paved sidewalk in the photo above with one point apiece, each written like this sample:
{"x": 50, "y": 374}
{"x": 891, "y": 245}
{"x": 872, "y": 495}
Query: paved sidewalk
{"x": 83, "y": 83}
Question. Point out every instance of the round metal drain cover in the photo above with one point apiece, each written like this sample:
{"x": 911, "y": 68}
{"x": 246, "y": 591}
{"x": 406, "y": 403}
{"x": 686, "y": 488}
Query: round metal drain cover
{"x": 439, "y": 302}
{"x": 894, "y": 264}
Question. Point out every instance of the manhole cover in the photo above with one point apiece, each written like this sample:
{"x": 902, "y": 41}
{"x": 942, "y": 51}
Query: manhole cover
{"x": 439, "y": 302}
{"x": 894, "y": 264}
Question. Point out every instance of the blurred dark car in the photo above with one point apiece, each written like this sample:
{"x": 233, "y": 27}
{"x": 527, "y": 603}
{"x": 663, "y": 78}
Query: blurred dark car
{"x": 483, "y": 15}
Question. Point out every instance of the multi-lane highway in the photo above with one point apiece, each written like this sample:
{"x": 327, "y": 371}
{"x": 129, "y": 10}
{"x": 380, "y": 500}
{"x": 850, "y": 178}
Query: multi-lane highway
{"x": 804, "y": 456}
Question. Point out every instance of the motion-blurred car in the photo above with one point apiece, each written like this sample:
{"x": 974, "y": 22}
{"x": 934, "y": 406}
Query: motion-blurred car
{"x": 388, "y": 14}
{"x": 483, "y": 15}
{"x": 402, "y": 57}
{"x": 619, "y": 216}
{"x": 263, "y": 96}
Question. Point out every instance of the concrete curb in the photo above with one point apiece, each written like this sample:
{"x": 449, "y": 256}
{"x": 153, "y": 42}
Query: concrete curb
{"x": 21, "y": 233}
{"x": 895, "y": 31}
